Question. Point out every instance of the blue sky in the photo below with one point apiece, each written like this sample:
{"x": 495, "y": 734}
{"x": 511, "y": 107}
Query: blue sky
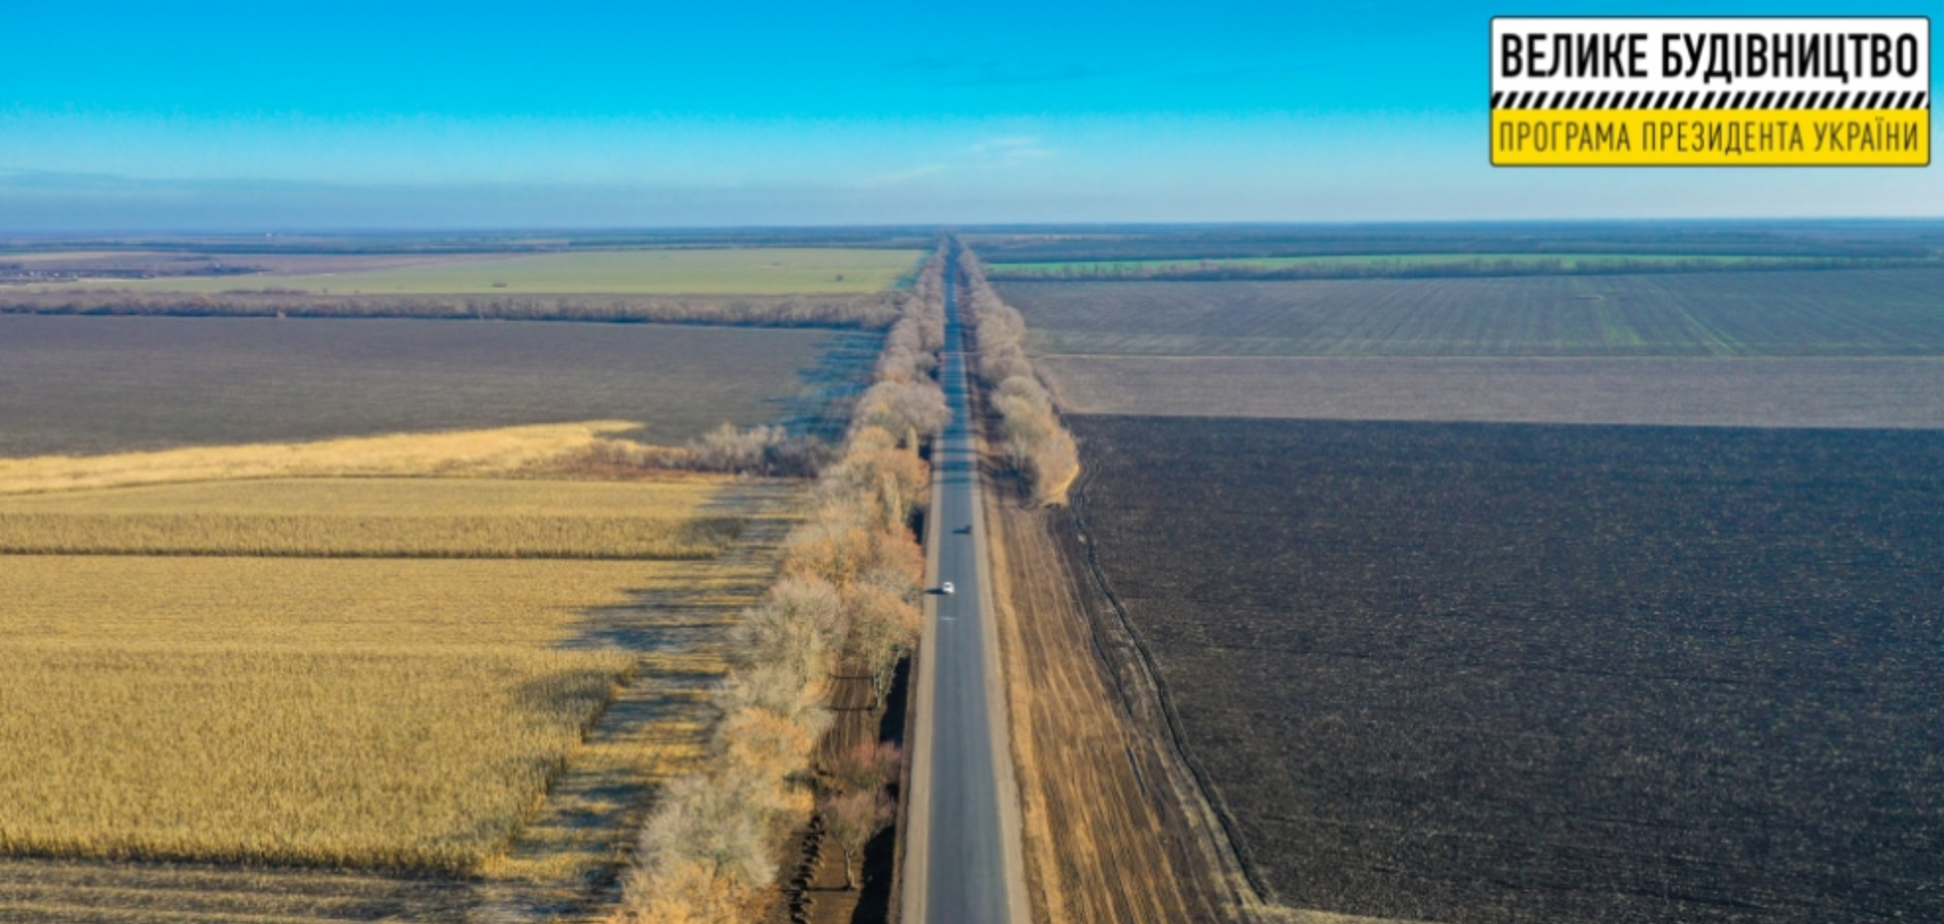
{"x": 296, "y": 115}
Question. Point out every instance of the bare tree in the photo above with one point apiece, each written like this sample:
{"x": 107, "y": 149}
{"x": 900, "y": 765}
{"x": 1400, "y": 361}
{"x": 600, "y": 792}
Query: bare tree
{"x": 904, "y": 407}
{"x": 768, "y": 451}
{"x": 704, "y": 854}
{"x": 895, "y": 482}
{"x": 868, "y": 766}
{"x": 850, "y": 583}
{"x": 852, "y": 819}
{"x": 884, "y": 628}
{"x": 797, "y": 631}
{"x": 1040, "y": 447}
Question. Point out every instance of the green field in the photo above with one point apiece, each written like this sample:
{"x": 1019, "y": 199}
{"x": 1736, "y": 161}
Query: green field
{"x": 730, "y": 271}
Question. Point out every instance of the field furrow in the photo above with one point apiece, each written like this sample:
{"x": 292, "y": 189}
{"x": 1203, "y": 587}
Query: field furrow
{"x": 1476, "y": 673}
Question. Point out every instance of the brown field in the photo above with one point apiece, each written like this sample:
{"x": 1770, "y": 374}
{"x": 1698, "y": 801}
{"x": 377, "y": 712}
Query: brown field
{"x": 829, "y": 287}
{"x": 1827, "y": 313}
{"x": 94, "y": 385}
{"x": 1392, "y": 720}
{"x": 1765, "y": 392}
{"x": 1477, "y": 673}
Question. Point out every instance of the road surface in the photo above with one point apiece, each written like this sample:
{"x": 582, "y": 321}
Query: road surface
{"x": 962, "y": 863}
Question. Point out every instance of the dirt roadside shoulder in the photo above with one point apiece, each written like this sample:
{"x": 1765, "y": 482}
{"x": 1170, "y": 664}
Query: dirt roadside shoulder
{"x": 1107, "y": 838}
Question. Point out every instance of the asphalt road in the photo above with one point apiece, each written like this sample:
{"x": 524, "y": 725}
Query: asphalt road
{"x": 962, "y": 863}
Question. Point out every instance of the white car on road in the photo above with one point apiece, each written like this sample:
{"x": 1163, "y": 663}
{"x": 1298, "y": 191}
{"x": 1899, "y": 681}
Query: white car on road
{"x": 945, "y": 588}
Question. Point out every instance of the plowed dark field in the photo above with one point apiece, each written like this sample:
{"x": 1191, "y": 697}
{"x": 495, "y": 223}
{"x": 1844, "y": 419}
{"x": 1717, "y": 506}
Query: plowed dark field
{"x": 1476, "y": 673}
{"x": 90, "y": 385}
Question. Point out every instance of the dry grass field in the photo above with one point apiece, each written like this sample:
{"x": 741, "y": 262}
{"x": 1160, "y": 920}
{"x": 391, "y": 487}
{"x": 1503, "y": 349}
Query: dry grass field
{"x": 302, "y": 604}
{"x": 1753, "y": 392}
{"x": 287, "y": 674}
{"x": 670, "y": 617}
{"x": 1476, "y": 673}
{"x": 505, "y": 451}
{"x": 365, "y": 537}
{"x": 664, "y": 498}
{"x": 568, "y": 856}
{"x": 501, "y": 721}
{"x": 95, "y": 385}
{"x": 1893, "y": 312}
{"x": 702, "y": 271}
{"x": 375, "y": 518}
{"x": 397, "y": 714}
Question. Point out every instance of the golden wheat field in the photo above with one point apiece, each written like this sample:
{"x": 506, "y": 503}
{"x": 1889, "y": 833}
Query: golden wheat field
{"x": 375, "y": 517}
{"x": 392, "y": 713}
{"x": 222, "y": 662}
{"x": 500, "y": 451}
{"x": 365, "y": 537}
{"x": 664, "y": 498}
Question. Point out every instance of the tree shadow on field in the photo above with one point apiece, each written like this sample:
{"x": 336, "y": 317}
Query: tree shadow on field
{"x": 568, "y": 857}
{"x": 827, "y": 389}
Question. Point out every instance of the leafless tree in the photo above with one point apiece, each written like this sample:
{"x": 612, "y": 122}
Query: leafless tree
{"x": 850, "y": 584}
{"x": 703, "y": 854}
{"x": 1040, "y": 447}
{"x": 797, "y": 630}
{"x": 868, "y": 766}
{"x": 852, "y": 819}
{"x": 884, "y": 628}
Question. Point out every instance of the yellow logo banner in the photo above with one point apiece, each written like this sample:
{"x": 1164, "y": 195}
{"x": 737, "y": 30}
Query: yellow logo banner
{"x": 1710, "y": 92}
